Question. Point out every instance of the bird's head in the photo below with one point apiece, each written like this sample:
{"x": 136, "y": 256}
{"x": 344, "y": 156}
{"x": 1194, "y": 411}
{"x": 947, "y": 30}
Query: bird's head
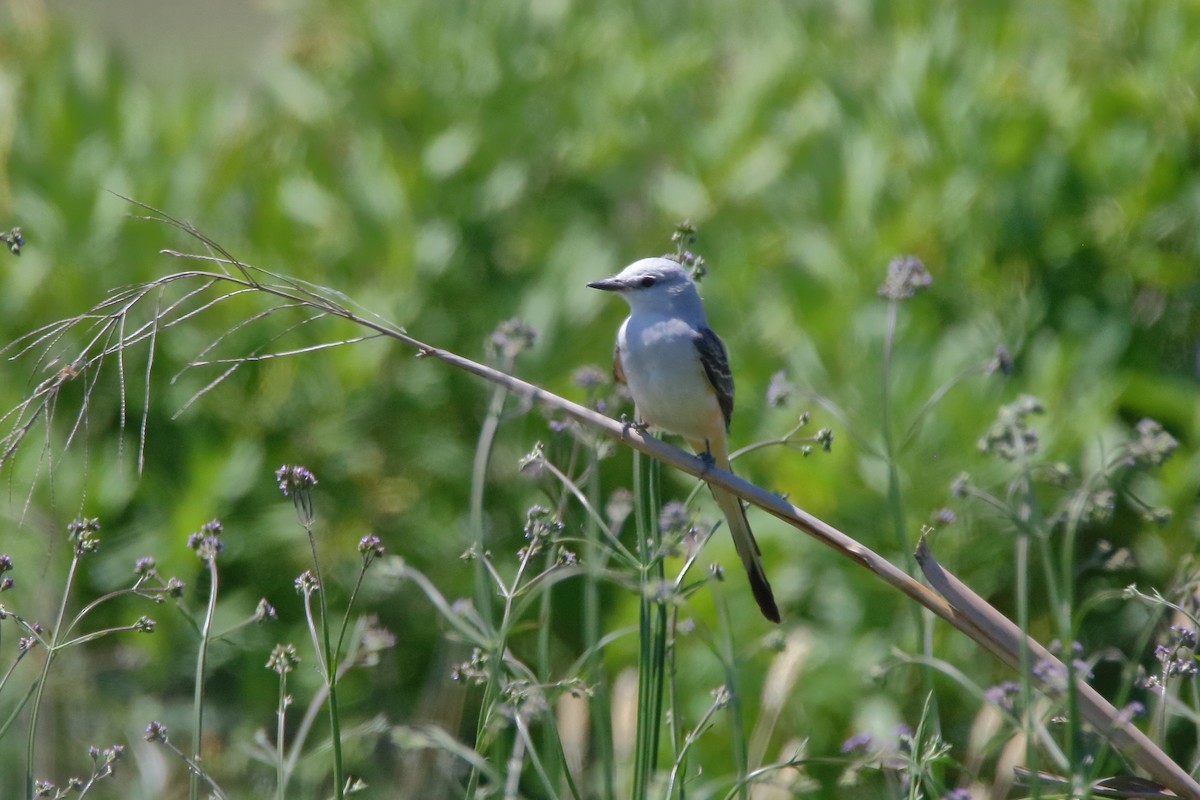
{"x": 654, "y": 284}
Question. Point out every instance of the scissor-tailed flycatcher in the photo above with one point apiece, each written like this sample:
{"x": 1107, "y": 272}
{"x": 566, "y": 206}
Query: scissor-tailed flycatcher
{"x": 678, "y": 374}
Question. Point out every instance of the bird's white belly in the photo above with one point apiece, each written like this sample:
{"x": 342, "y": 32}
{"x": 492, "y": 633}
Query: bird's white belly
{"x": 668, "y": 383}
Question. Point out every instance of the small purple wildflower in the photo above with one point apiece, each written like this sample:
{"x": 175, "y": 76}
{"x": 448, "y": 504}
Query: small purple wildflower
{"x": 859, "y": 742}
{"x": 294, "y": 479}
{"x": 306, "y": 583}
{"x": 370, "y": 547}
{"x": 296, "y": 482}
{"x": 1001, "y": 694}
{"x": 264, "y": 611}
{"x": 155, "y": 732}
{"x": 906, "y": 275}
{"x": 779, "y": 390}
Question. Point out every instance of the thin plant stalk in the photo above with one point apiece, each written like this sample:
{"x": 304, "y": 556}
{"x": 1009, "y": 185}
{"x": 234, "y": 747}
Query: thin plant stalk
{"x": 730, "y": 696}
{"x": 51, "y": 649}
{"x": 922, "y": 619}
{"x": 678, "y": 745}
{"x": 894, "y": 498}
{"x": 482, "y": 580}
{"x": 330, "y": 667}
{"x": 201, "y": 661}
{"x": 280, "y": 750}
{"x": 652, "y": 626}
{"x": 483, "y": 452}
{"x": 314, "y": 706}
{"x": 498, "y": 647}
{"x": 595, "y": 555}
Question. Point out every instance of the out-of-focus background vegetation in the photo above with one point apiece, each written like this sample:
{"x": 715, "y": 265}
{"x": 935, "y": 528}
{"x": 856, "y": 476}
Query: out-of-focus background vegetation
{"x": 454, "y": 164}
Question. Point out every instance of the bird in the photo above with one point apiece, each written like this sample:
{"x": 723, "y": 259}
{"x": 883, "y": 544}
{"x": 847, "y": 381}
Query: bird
{"x": 678, "y": 373}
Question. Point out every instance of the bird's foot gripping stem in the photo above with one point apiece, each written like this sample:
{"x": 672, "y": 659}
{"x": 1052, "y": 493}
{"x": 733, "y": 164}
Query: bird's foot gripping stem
{"x": 639, "y": 426}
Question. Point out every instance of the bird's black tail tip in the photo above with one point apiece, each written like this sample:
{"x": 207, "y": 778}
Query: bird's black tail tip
{"x": 764, "y": 597}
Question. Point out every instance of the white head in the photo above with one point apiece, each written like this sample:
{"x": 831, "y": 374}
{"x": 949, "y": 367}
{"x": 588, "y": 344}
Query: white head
{"x": 656, "y": 285}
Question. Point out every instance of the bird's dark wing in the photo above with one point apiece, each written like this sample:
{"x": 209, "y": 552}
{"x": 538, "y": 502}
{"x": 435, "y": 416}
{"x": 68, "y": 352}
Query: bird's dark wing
{"x": 716, "y": 367}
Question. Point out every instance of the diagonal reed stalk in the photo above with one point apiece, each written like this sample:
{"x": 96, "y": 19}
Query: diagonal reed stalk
{"x": 112, "y": 336}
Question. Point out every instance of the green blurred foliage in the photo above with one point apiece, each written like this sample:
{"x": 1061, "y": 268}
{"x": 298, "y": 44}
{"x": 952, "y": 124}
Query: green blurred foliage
{"x": 451, "y": 165}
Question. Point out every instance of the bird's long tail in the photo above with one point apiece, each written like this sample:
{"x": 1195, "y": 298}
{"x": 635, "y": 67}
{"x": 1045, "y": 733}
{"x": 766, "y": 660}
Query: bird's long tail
{"x": 743, "y": 538}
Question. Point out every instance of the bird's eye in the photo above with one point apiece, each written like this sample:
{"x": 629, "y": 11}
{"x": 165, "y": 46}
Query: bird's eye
{"x": 648, "y": 281}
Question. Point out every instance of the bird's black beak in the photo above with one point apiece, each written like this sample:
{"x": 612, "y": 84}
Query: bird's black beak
{"x": 608, "y": 285}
